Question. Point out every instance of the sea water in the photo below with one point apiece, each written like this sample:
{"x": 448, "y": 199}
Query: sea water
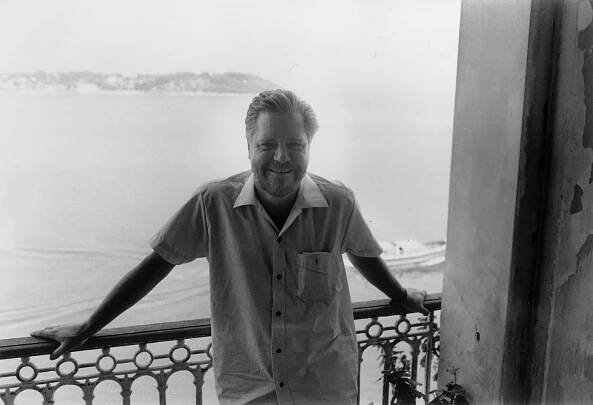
{"x": 86, "y": 180}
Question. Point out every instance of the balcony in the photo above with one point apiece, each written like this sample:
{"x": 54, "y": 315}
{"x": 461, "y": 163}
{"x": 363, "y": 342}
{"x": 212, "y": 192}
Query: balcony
{"x": 118, "y": 358}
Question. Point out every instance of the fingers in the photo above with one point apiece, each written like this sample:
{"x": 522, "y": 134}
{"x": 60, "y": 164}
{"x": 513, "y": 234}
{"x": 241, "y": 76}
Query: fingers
{"x": 418, "y": 307}
{"x": 416, "y": 301}
{"x": 56, "y": 353}
{"x": 424, "y": 311}
{"x": 67, "y": 337}
{"x": 63, "y": 349}
{"x": 43, "y": 334}
{"x": 49, "y": 333}
{"x": 37, "y": 334}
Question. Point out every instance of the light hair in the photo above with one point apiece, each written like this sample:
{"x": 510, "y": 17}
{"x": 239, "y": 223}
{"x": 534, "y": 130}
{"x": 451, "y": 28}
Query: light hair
{"x": 280, "y": 101}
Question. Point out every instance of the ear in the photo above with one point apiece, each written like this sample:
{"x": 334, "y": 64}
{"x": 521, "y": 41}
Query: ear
{"x": 248, "y": 148}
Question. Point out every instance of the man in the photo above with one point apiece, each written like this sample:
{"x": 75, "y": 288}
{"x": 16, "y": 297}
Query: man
{"x": 282, "y": 325}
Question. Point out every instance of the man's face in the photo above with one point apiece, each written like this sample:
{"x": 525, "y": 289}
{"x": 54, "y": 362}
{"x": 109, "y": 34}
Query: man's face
{"x": 279, "y": 153}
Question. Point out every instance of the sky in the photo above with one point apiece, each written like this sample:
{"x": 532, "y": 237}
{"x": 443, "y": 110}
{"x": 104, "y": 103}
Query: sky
{"x": 308, "y": 45}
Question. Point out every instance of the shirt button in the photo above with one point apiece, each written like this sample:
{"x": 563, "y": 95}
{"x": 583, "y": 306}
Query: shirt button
{"x": 278, "y": 313}
{"x": 279, "y": 276}
{"x": 281, "y": 384}
{"x": 278, "y": 350}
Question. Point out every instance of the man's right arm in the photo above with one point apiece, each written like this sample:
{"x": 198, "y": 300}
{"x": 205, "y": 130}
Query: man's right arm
{"x": 128, "y": 291}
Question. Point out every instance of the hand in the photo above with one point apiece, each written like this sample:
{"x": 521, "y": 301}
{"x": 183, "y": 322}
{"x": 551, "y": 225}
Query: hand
{"x": 415, "y": 301}
{"x": 69, "y": 337}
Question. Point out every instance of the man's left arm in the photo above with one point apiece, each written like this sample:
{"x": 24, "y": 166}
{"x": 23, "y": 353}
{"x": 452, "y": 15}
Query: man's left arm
{"x": 375, "y": 270}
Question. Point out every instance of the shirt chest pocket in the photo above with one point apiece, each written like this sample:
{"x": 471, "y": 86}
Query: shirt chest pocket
{"x": 318, "y": 276}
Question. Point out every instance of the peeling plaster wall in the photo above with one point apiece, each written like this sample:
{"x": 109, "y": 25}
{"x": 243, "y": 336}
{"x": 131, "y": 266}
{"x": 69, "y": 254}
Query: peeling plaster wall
{"x": 520, "y": 234}
{"x": 568, "y": 252}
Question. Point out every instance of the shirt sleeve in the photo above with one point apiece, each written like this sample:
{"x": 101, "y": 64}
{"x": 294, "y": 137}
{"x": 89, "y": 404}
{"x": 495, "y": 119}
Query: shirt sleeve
{"x": 358, "y": 238}
{"x": 185, "y": 236}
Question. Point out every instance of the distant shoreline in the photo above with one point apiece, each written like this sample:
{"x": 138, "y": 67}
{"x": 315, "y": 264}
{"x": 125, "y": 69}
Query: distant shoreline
{"x": 124, "y": 93}
{"x": 183, "y": 83}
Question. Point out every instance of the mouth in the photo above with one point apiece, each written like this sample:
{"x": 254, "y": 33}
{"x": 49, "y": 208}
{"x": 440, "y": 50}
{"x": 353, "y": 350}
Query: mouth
{"x": 284, "y": 171}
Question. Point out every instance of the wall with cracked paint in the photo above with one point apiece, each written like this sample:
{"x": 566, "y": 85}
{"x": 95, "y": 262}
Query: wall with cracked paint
{"x": 568, "y": 253}
{"x": 523, "y": 116}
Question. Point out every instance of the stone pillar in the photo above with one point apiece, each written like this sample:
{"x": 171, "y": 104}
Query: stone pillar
{"x": 498, "y": 195}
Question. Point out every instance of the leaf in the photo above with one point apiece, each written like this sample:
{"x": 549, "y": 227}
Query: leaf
{"x": 460, "y": 399}
{"x": 438, "y": 401}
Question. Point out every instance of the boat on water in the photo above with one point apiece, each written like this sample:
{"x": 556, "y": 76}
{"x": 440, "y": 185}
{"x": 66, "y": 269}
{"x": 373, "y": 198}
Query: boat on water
{"x": 409, "y": 254}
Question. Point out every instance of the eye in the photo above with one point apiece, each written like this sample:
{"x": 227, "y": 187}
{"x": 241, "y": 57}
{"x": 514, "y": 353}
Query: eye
{"x": 296, "y": 145}
{"x": 266, "y": 146}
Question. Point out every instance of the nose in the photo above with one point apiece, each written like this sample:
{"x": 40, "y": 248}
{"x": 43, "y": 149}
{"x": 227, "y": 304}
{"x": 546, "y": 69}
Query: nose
{"x": 281, "y": 154}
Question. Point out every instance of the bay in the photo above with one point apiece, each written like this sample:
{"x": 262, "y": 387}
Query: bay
{"x": 85, "y": 180}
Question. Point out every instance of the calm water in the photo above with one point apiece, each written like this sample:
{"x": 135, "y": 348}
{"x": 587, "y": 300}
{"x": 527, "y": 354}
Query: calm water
{"x": 85, "y": 180}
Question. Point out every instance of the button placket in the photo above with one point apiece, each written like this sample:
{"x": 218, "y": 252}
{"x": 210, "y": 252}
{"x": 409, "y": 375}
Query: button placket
{"x": 278, "y": 323}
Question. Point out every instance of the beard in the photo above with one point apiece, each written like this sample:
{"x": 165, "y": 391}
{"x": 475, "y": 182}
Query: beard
{"x": 278, "y": 185}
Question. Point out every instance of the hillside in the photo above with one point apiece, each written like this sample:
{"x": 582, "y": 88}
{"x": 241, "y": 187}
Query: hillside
{"x": 89, "y": 82}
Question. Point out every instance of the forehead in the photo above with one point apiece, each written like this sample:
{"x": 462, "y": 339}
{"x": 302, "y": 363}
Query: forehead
{"x": 280, "y": 125}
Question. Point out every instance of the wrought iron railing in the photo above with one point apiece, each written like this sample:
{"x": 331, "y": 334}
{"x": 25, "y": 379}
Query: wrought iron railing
{"x": 404, "y": 341}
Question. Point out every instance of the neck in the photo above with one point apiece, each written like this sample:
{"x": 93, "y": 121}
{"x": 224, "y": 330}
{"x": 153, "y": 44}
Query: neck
{"x": 278, "y": 208}
{"x": 275, "y": 203}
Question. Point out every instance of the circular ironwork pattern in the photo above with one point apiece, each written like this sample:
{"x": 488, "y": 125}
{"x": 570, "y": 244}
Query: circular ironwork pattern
{"x": 64, "y": 361}
{"x": 209, "y": 350}
{"x": 402, "y": 326}
{"x": 25, "y": 365}
{"x": 102, "y": 357}
{"x": 178, "y": 347}
{"x": 368, "y": 332}
{"x": 140, "y": 352}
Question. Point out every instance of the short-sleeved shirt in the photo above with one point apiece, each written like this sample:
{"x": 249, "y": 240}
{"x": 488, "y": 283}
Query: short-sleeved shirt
{"x": 282, "y": 324}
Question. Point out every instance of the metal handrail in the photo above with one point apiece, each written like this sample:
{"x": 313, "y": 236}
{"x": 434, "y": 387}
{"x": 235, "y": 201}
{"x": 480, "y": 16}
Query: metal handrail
{"x": 195, "y": 328}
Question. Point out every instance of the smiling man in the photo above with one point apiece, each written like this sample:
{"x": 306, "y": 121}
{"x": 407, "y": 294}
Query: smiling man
{"x": 282, "y": 324}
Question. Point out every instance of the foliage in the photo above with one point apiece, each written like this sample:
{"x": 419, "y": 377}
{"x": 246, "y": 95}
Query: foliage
{"x": 453, "y": 394}
{"x": 404, "y": 390}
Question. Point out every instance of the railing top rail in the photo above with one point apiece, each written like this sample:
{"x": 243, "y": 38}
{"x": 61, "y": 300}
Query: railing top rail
{"x": 375, "y": 308}
{"x": 165, "y": 331}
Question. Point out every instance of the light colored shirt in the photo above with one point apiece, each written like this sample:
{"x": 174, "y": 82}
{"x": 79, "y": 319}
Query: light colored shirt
{"x": 282, "y": 324}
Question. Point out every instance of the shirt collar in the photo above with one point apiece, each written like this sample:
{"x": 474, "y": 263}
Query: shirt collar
{"x": 309, "y": 195}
